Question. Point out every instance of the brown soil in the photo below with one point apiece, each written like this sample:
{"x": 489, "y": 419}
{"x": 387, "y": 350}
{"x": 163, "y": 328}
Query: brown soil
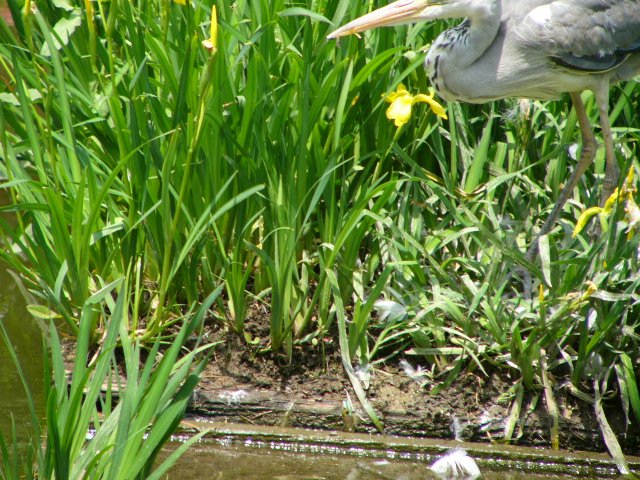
{"x": 241, "y": 385}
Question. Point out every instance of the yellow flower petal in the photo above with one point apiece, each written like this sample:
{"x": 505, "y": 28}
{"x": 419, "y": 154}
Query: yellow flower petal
{"x": 629, "y": 180}
{"x": 401, "y": 92}
{"x": 401, "y": 102}
{"x": 214, "y": 26}
{"x": 435, "y": 106}
{"x": 400, "y": 110}
{"x": 584, "y": 218}
{"x": 591, "y": 289}
{"x": 611, "y": 201}
{"x": 211, "y": 43}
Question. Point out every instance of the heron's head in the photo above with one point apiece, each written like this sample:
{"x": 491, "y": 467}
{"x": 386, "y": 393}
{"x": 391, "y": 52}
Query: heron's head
{"x": 404, "y": 12}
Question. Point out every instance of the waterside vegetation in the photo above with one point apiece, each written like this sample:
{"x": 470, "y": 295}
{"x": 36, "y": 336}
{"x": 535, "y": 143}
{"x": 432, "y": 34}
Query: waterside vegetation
{"x": 119, "y": 405}
{"x": 155, "y": 177}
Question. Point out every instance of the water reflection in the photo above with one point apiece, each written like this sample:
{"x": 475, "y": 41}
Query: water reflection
{"x": 220, "y": 462}
{"x": 26, "y": 338}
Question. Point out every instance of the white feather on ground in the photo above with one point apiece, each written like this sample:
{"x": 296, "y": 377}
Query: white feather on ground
{"x": 456, "y": 465}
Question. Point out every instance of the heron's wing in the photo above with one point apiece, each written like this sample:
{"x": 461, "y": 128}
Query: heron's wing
{"x": 589, "y": 35}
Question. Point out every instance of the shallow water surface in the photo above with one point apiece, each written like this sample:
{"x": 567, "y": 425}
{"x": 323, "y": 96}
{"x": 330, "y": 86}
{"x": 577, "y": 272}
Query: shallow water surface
{"x": 26, "y": 338}
{"x": 25, "y": 335}
{"x": 240, "y": 451}
{"x": 219, "y": 462}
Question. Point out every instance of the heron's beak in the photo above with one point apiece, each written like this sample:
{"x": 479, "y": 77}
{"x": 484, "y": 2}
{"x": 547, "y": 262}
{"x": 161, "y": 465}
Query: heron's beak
{"x": 396, "y": 13}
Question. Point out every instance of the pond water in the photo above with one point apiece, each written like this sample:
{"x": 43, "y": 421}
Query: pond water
{"x": 234, "y": 452}
{"x": 25, "y": 335}
{"x": 26, "y": 338}
{"x": 234, "y": 462}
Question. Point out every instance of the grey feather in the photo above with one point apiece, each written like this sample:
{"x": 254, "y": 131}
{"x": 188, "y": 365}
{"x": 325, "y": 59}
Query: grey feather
{"x": 537, "y": 49}
{"x": 588, "y": 35}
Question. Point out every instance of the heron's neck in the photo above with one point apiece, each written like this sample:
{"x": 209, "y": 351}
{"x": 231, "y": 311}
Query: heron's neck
{"x": 458, "y": 48}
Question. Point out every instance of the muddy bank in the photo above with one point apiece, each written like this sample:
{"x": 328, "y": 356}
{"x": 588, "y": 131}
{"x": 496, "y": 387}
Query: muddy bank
{"x": 239, "y": 386}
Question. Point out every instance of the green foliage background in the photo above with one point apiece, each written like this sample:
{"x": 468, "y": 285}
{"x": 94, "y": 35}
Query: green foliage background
{"x": 269, "y": 168}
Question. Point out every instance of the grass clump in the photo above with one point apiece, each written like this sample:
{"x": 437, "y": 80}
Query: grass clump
{"x": 100, "y": 424}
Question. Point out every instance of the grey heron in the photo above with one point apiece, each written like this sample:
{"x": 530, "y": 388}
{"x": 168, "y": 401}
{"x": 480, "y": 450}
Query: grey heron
{"x": 536, "y": 49}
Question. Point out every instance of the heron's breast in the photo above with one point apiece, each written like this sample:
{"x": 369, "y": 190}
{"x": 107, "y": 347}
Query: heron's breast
{"x": 497, "y": 77}
{"x": 437, "y": 74}
{"x": 452, "y": 82}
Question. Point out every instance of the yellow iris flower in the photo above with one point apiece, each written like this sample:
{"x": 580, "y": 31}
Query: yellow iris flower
{"x": 631, "y": 208}
{"x": 211, "y": 43}
{"x": 402, "y": 101}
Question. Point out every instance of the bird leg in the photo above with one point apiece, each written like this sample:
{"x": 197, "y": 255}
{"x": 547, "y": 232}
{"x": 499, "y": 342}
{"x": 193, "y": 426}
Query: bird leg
{"x": 612, "y": 172}
{"x": 587, "y": 154}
